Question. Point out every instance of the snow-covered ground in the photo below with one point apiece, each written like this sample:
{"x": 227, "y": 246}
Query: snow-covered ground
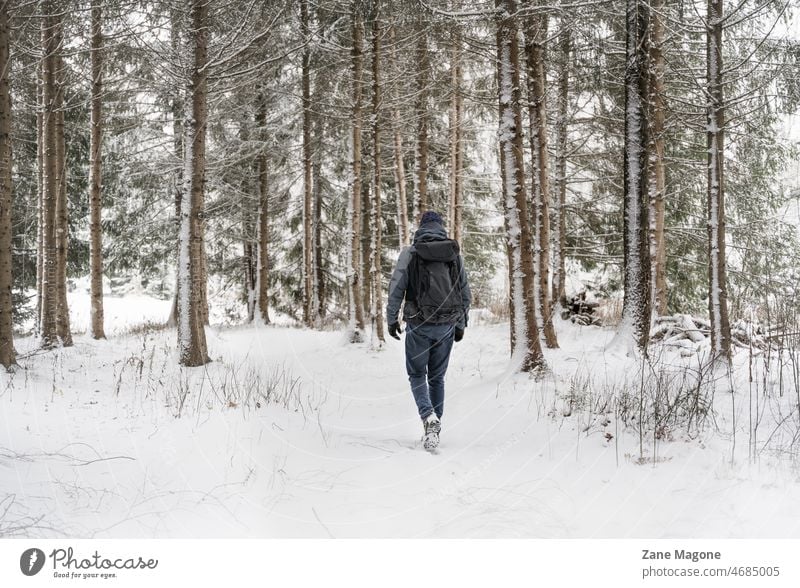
{"x": 296, "y": 433}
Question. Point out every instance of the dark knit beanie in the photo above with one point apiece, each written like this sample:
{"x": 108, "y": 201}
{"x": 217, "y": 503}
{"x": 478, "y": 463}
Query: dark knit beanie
{"x": 431, "y": 217}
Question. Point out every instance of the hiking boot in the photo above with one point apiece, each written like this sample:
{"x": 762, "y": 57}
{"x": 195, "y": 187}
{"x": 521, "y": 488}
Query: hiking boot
{"x": 433, "y": 427}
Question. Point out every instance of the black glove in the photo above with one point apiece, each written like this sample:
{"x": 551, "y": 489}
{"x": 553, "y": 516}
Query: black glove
{"x": 459, "y": 334}
{"x": 394, "y": 329}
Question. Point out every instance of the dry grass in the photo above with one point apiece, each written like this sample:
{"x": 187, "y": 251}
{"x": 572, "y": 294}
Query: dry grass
{"x": 146, "y": 328}
{"x": 609, "y": 312}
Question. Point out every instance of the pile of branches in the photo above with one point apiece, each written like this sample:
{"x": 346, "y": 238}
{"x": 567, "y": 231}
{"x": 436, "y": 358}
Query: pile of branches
{"x": 691, "y": 333}
{"x": 581, "y": 310}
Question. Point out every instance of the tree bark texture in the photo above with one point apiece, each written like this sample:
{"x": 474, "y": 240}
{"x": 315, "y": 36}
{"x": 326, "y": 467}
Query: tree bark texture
{"x": 523, "y": 308}
{"x": 319, "y": 286}
{"x": 40, "y": 148}
{"x": 658, "y": 244}
{"x": 308, "y": 281}
{"x": 356, "y": 294}
{"x": 375, "y": 242}
{"x": 51, "y": 47}
{"x": 7, "y": 352}
{"x": 456, "y": 201}
{"x": 535, "y": 36}
{"x": 421, "y": 115}
{"x": 636, "y": 244}
{"x": 62, "y": 217}
{"x": 715, "y": 138}
{"x": 559, "y": 210}
{"x": 399, "y": 164}
{"x": 178, "y": 114}
{"x": 191, "y": 331}
{"x": 95, "y": 176}
{"x": 262, "y": 300}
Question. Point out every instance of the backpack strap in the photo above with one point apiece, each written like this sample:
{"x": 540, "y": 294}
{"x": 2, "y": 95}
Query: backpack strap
{"x": 413, "y": 279}
{"x": 455, "y": 273}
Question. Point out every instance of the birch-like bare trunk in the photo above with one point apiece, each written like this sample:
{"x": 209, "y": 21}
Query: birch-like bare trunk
{"x": 635, "y": 323}
{"x": 176, "y": 107}
{"x": 718, "y": 289}
{"x": 202, "y": 259}
{"x": 7, "y": 352}
{"x": 249, "y": 188}
{"x": 356, "y": 294}
{"x": 191, "y": 332}
{"x": 308, "y": 253}
{"x": 526, "y": 331}
{"x": 404, "y": 235}
{"x": 421, "y": 202}
{"x": 262, "y": 279}
{"x": 250, "y": 242}
{"x": 559, "y": 210}
{"x": 95, "y": 175}
{"x": 376, "y": 280}
{"x": 320, "y": 288}
{"x": 40, "y": 143}
{"x": 366, "y": 237}
{"x": 61, "y": 220}
{"x": 50, "y": 47}
{"x": 535, "y": 35}
{"x": 456, "y": 201}
{"x": 658, "y": 246}
{"x": 399, "y": 163}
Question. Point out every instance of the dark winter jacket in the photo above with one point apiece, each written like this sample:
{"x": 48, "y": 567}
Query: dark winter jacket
{"x": 399, "y": 282}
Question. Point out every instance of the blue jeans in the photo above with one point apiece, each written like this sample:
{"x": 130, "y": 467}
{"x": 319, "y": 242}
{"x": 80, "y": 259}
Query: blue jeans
{"x": 427, "y": 355}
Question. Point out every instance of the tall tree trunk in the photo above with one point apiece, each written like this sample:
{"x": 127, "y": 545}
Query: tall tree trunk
{"x": 356, "y": 326}
{"x": 95, "y": 177}
{"x": 178, "y": 115}
{"x": 535, "y": 35}
{"x": 421, "y": 202}
{"x": 399, "y": 164}
{"x": 718, "y": 289}
{"x": 40, "y": 147}
{"x": 559, "y": 210}
{"x": 262, "y": 280}
{"x": 50, "y": 46}
{"x": 375, "y": 242}
{"x": 308, "y": 282}
{"x": 318, "y": 303}
{"x": 366, "y": 237}
{"x": 658, "y": 245}
{"x": 525, "y": 329}
{"x": 250, "y": 277}
{"x": 202, "y": 259}
{"x": 454, "y": 210}
{"x": 635, "y": 324}
{"x": 191, "y": 331}
{"x": 510, "y": 252}
{"x": 250, "y": 246}
{"x": 62, "y": 220}
{"x": 249, "y": 188}
{"x": 7, "y": 352}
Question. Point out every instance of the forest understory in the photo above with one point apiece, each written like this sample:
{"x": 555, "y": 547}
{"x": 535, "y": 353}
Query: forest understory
{"x": 294, "y": 432}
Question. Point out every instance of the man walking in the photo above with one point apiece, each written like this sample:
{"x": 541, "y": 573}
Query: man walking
{"x": 430, "y": 276}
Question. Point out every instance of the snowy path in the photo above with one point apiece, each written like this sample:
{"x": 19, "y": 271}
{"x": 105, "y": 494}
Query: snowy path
{"x": 90, "y": 446}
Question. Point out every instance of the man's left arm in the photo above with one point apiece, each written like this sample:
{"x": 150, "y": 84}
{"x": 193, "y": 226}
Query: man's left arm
{"x": 466, "y": 295}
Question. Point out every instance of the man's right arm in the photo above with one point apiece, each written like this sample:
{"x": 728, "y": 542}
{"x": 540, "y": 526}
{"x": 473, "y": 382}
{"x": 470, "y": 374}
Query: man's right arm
{"x": 397, "y": 286}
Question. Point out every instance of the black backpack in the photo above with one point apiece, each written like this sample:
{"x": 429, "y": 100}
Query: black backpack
{"x": 434, "y": 285}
